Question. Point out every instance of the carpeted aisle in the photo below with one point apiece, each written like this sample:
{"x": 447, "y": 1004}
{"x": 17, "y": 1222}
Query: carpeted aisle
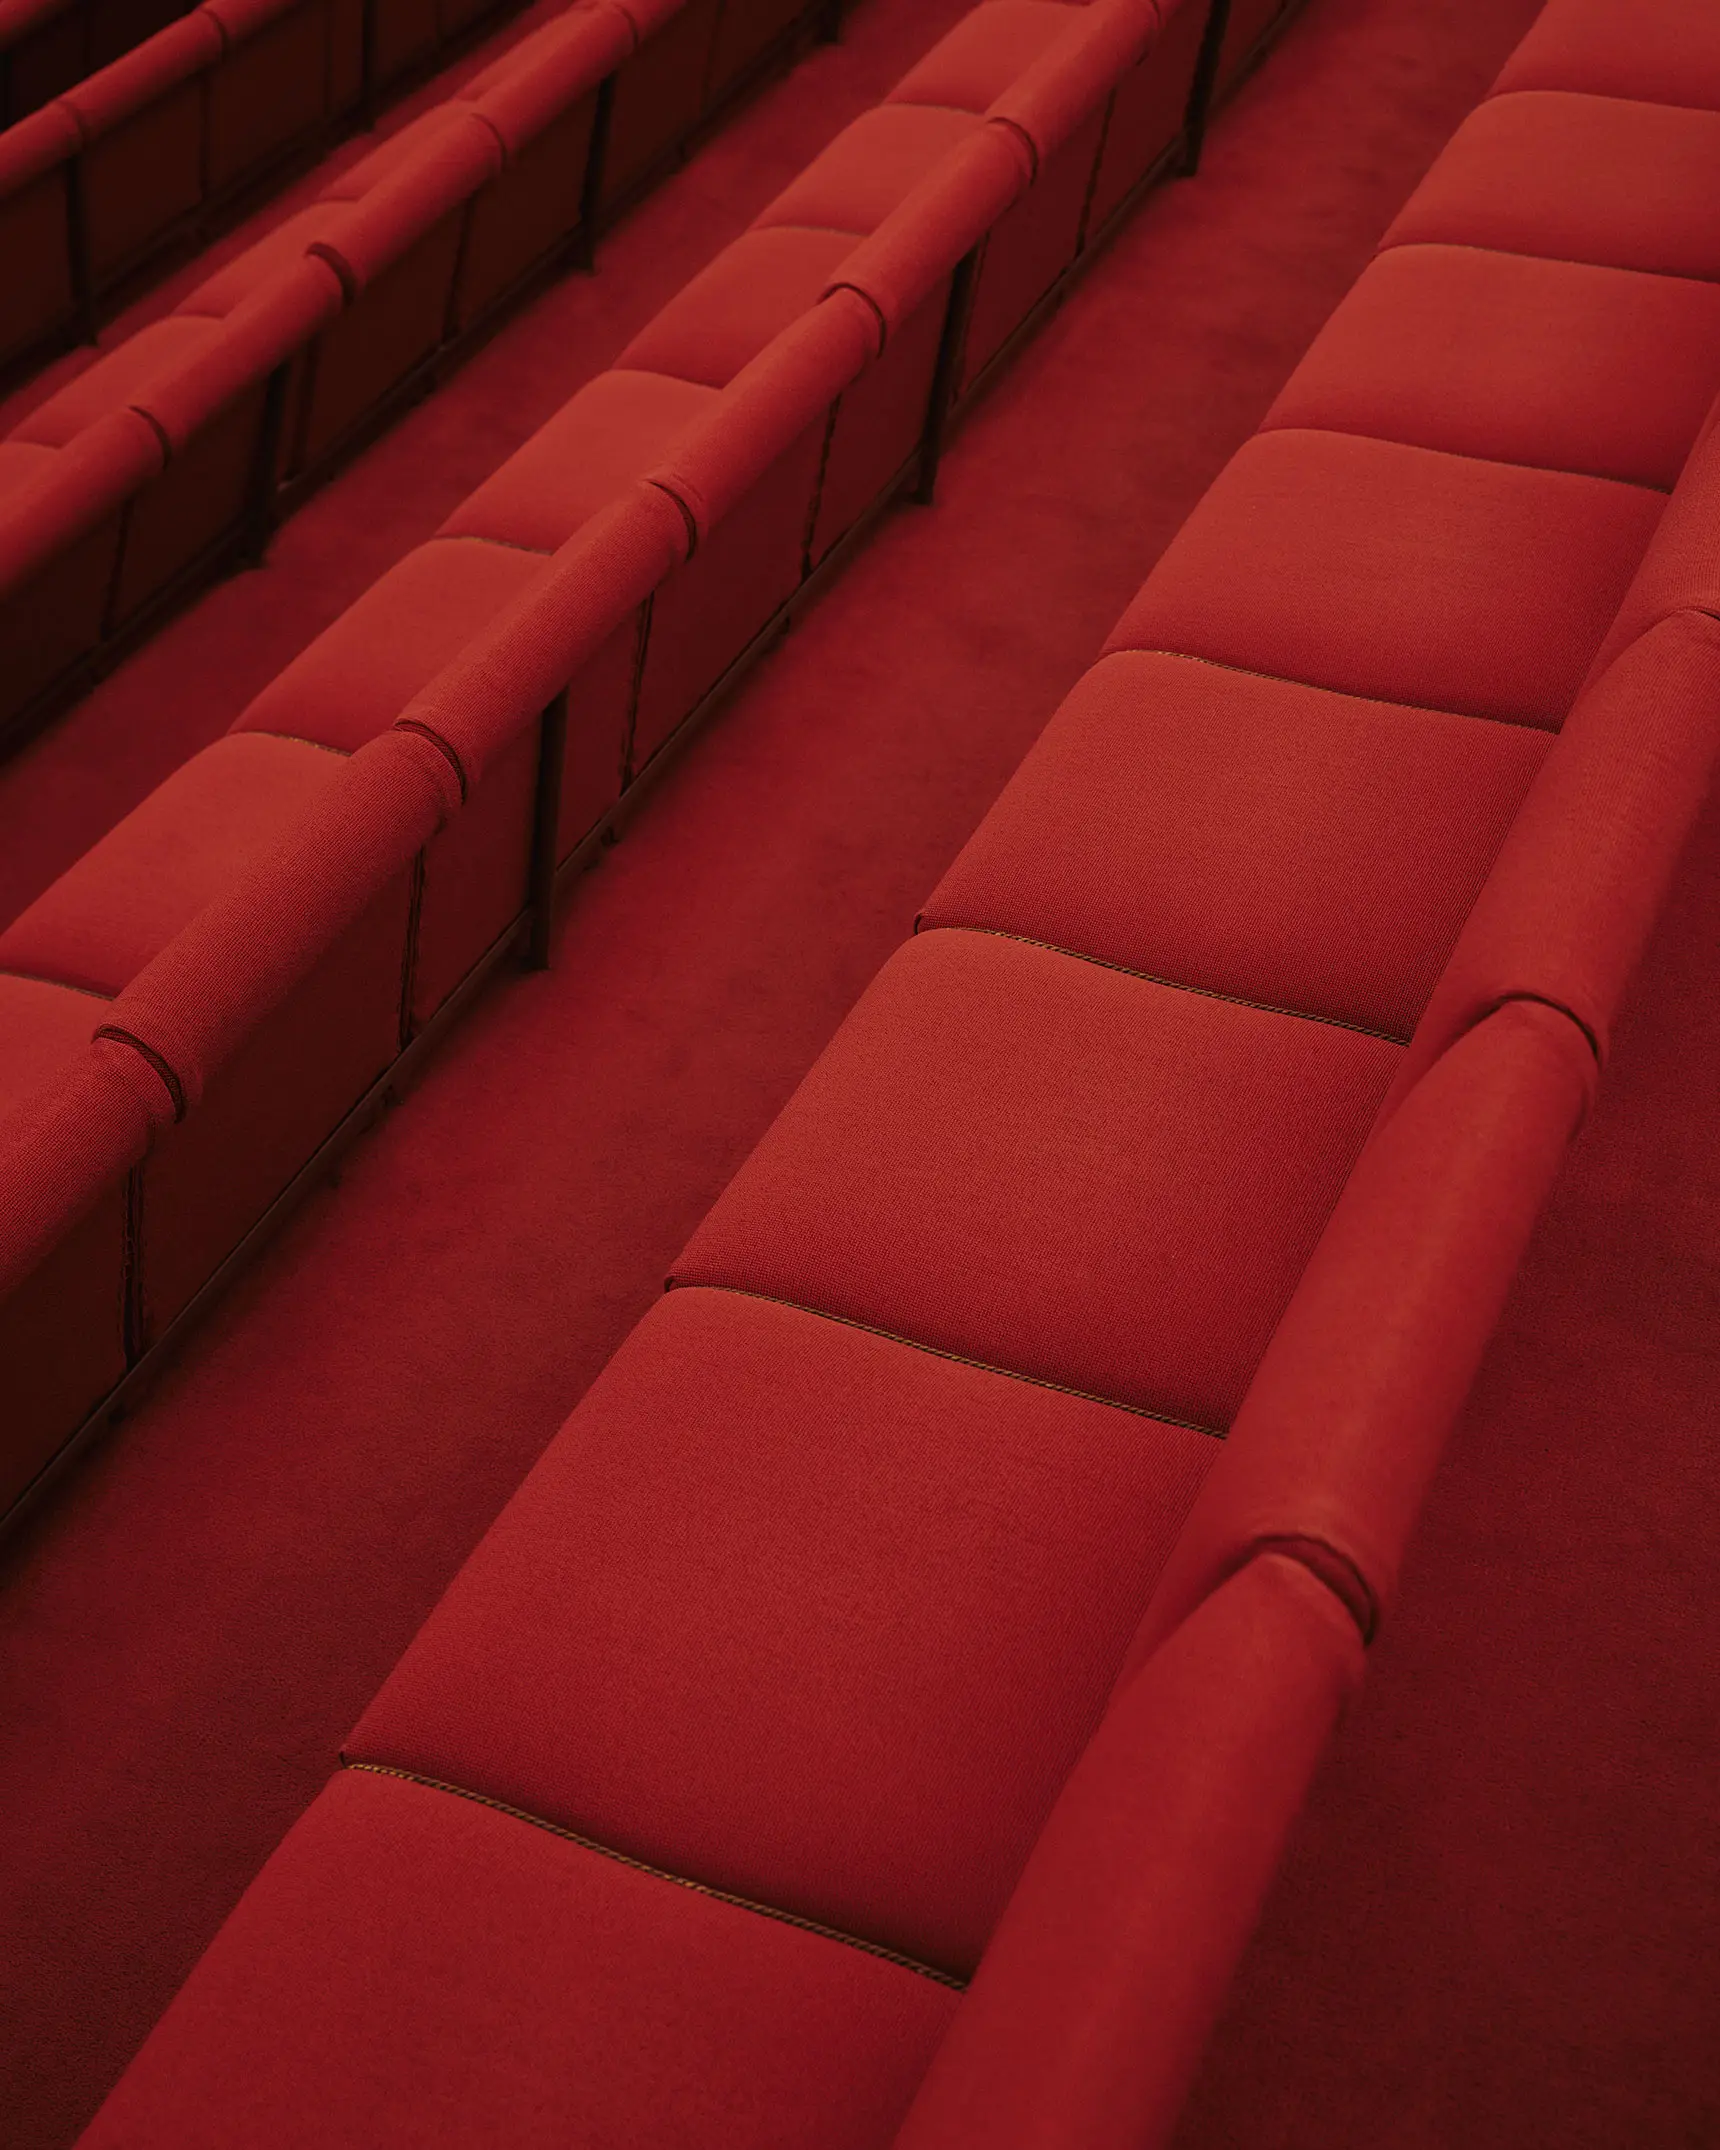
{"x": 1481, "y": 1935}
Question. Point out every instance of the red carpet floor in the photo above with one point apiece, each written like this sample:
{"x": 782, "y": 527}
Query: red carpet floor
{"x": 1488, "y": 1934}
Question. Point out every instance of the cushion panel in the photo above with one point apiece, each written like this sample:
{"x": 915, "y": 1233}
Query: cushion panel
{"x": 223, "y": 811}
{"x": 1665, "y": 54}
{"x": 870, "y": 168}
{"x": 1055, "y": 1168}
{"x": 1604, "y": 371}
{"x": 699, "y": 1633}
{"x": 1520, "y": 175}
{"x": 411, "y": 1967}
{"x": 1247, "y": 836}
{"x": 1398, "y": 573}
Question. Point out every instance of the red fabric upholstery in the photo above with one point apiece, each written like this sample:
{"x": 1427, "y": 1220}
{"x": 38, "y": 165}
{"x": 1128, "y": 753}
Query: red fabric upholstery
{"x": 744, "y": 29}
{"x": 121, "y": 378}
{"x": 358, "y": 677}
{"x": 411, "y": 1966}
{"x": 988, "y": 50}
{"x": 59, "y": 541}
{"x": 143, "y": 126}
{"x": 660, "y": 91}
{"x": 35, "y": 243}
{"x": 725, "y": 317}
{"x": 538, "y": 81}
{"x": 601, "y": 441}
{"x": 1555, "y": 363}
{"x": 270, "y": 90}
{"x": 1084, "y": 2026}
{"x": 247, "y": 273}
{"x": 72, "y": 1124}
{"x": 1249, "y": 837}
{"x": 1597, "y": 179}
{"x": 1148, "y": 109}
{"x": 580, "y": 626}
{"x": 126, "y": 898}
{"x": 1668, "y": 53}
{"x": 870, "y": 167}
{"x": 1345, "y": 1421}
{"x": 1680, "y": 571}
{"x": 1568, "y": 908}
{"x": 1399, "y": 573}
{"x": 1070, "y": 84}
{"x": 1054, "y": 1168}
{"x": 752, "y": 1486}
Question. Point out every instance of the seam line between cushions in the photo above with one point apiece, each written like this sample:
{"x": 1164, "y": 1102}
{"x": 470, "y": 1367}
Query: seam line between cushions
{"x": 955, "y": 1358}
{"x": 27, "y": 977}
{"x": 1176, "y": 985}
{"x": 1285, "y": 679}
{"x": 660, "y": 1873}
{"x": 1459, "y": 455}
{"x": 1568, "y": 261}
{"x": 1504, "y": 462}
{"x": 1611, "y": 97}
{"x": 293, "y": 739}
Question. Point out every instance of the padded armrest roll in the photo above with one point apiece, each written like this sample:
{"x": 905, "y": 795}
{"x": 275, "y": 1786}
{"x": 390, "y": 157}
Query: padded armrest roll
{"x": 1345, "y": 1419}
{"x": 1086, "y": 2019}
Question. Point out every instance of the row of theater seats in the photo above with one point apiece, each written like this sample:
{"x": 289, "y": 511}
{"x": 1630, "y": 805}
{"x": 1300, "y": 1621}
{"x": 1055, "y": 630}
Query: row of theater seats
{"x": 173, "y": 454}
{"x": 256, "y": 943}
{"x": 128, "y": 159}
{"x": 48, "y": 45}
{"x": 952, "y": 1583}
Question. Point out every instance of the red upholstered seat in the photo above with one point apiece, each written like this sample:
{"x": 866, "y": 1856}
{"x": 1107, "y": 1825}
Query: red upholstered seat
{"x": 1605, "y": 371}
{"x": 360, "y": 674}
{"x": 247, "y": 273}
{"x": 699, "y": 1633}
{"x": 659, "y": 92}
{"x": 273, "y": 87}
{"x": 120, "y": 377}
{"x": 990, "y": 48}
{"x": 129, "y": 902}
{"x": 1599, "y": 179}
{"x": 111, "y": 913}
{"x": 70, "y": 1129}
{"x": 1049, "y": 1166}
{"x": 871, "y": 166}
{"x": 35, "y": 232}
{"x": 143, "y": 121}
{"x": 1252, "y": 837}
{"x": 1148, "y": 109}
{"x": 600, "y": 441}
{"x": 1664, "y": 53}
{"x": 1399, "y": 573}
{"x": 413, "y": 1967}
{"x": 723, "y": 318}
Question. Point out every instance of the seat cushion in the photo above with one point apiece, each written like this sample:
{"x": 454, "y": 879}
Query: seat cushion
{"x": 126, "y": 898}
{"x": 1605, "y": 371}
{"x": 724, "y": 318}
{"x": 1398, "y": 573}
{"x": 699, "y": 1634}
{"x": 995, "y": 44}
{"x": 616, "y": 428}
{"x": 1049, "y": 1166}
{"x": 1599, "y": 179}
{"x": 1664, "y": 53}
{"x": 358, "y": 675}
{"x": 411, "y": 1967}
{"x": 872, "y": 165}
{"x": 122, "y": 376}
{"x": 43, "y": 1027}
{"x": 1245, "y": 836}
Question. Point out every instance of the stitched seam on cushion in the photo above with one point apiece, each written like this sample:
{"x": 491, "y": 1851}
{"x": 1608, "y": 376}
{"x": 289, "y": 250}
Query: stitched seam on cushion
{"x": 660, "y": 1873}
{"x": 956, "y": 1358}
{"x": 1285, "y": 679}
{"x": 1568, "y": 261}
{"x": 170, "y": 1081}
{"x": 1458, "y": 455}
{"x": 462, "y": 537}
{"x": 1505, "y": 462}
{"x": 27, "y": 977}
{"x": 294, "y": 739}
{"x": 1176, "y": 985}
